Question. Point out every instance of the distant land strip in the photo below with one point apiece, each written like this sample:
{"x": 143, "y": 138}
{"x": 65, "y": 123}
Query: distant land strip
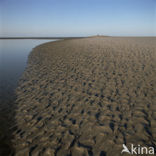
{"x": 40, "y": 37}
{"x": 72, "y": 37}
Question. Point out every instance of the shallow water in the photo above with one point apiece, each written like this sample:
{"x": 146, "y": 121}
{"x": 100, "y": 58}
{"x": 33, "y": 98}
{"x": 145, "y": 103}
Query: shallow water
{"x": 13, "y": 60}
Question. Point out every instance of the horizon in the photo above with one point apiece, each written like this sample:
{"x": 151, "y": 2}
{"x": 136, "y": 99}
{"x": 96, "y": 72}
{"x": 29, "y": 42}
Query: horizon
{"x": 58, "y": 37}
{"x": 77, "y": 18}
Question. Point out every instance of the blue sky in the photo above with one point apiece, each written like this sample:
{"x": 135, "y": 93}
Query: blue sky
{"x": 77, "y": 17}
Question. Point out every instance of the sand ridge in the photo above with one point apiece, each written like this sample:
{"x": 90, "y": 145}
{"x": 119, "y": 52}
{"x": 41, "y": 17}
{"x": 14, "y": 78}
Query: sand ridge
{"x": 87, "y": 97}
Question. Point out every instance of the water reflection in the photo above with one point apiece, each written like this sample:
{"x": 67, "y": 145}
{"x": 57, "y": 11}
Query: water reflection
{"x": 13, "y": 59}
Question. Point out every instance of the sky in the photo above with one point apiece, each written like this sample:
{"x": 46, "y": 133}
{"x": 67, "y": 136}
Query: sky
{"x": 77, "y": 18}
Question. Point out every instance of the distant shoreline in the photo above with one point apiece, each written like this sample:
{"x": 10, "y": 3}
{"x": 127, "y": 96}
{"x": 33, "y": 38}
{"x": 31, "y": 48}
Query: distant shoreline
{"x": 2, "y": 38}
{"x": 41, "y": 37}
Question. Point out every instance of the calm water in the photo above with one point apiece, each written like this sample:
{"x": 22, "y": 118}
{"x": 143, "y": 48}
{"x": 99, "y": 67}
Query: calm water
{"x": 13, "y": 59}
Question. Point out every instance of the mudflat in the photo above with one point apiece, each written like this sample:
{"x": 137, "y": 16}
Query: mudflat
{"x": 85, "y": 97}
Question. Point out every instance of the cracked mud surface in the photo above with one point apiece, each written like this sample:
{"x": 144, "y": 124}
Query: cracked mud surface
{"x": 85, "y": 97}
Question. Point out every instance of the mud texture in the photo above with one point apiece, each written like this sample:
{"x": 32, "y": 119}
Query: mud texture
{"x": 87, "y": 97}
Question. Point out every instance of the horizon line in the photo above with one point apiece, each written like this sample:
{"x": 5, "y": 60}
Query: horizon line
{"x": 67, "y": 37}
{"x": 34, "y": 37}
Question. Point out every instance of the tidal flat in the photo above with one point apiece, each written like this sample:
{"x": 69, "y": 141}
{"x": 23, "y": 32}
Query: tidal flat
{"x": 88, "y": 96}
